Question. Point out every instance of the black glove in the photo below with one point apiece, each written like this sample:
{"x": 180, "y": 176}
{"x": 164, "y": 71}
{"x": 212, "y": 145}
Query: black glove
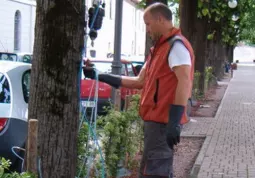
{"x": 113, "y": 80}
{"x": 173, "y": 131}
{"x": 90, "y": 72}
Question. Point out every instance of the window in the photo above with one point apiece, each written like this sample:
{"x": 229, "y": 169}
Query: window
{"x": 5, "y": 94}
{"x": 8, "y": 57}
{"x": 123, "y": 70}
{"x": 130, "y": 70}
{"x": 17, "y": 30}
{"x": 27, "y": 58}
{"x": 26, "y": 85}
{"x": 106, "y": 67}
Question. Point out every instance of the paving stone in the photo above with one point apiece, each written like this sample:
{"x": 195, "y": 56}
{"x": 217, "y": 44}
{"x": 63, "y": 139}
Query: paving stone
{"x": 230, "y": 151}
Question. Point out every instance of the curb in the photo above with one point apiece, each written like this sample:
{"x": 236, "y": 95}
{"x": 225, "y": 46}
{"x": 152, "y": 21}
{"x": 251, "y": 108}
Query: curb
{"x": 199, "y": 160}
{"x": 202, "y": 153}
{"x": 221, "y": 103}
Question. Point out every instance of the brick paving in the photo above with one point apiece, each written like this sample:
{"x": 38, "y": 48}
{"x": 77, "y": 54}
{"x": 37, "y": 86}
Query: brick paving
{"x": 198, "y": 127}
{"x": 229, "y": 147}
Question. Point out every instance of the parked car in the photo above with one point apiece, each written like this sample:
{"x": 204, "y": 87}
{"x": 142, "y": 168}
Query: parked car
{"x": 104, "y": 92}
{"x": 18, "y": 57}
{"x": 137, "y": 61}
{"x": 14, "y": 92}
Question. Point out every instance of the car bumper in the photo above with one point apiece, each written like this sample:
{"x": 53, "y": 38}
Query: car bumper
{"x": 14, "y": 134}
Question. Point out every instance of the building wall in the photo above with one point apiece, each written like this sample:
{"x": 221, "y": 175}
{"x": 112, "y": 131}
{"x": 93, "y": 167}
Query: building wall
{"x": 133, "y": 30}
{"x": 8, "y": 9}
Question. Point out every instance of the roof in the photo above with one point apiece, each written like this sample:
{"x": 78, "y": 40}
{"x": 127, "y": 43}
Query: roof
{"x": 6, "y": 66}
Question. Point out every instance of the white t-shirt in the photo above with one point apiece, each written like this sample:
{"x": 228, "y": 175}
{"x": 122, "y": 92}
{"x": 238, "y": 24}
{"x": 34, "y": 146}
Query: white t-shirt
{"x": 179, "y": 55}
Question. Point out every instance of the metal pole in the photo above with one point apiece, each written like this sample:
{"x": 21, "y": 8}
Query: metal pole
{"x": 116, "y": 64}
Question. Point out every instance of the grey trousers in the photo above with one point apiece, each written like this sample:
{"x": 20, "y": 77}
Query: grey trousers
{"x": 157, "y": 159}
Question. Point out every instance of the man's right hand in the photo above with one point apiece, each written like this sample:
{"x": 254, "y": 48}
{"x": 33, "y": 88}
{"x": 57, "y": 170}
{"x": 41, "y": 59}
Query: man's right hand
{"x": 113, "y": 80}
{"x": 89, "y": 72}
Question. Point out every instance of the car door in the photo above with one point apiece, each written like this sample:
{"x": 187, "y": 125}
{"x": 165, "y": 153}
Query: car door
{"x": 132, "y": 73}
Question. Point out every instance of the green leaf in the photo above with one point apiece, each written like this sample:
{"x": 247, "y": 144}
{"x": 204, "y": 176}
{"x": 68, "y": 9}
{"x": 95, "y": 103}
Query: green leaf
{"x": 210, "y": 36}
{"x": 205, "y": 11}
{"x": 199, "y": 15}
{"x": 200, "y": 4}
{"x": 217, "y": 19}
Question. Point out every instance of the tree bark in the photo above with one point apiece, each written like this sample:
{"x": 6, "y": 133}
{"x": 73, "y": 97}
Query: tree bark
{"x": 195, "y": 30}
{"x": 148, "y": 42}
{"x": 231, "y": 53}
{"x": 54, "y": 95}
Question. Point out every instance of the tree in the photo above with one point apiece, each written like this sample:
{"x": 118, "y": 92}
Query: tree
{"x": 195, "y": 30}
{"x": 248, "y": 24}
{"x": 214, "y": 29}
{"x": 54, "y": 95}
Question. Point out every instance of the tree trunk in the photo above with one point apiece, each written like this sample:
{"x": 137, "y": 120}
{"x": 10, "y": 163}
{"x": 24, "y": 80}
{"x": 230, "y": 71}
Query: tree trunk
{"x": 195, "y": 30}
{"x": 148, "y": 43}
{"x": 230, "y": 54}
{"x": 54, "y": 94}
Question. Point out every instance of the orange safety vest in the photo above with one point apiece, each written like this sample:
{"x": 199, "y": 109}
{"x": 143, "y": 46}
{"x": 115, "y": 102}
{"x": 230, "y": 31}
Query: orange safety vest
{"x": 160, "y": 81}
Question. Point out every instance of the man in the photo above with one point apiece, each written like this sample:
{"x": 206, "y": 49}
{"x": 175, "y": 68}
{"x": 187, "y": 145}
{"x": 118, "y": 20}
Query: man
{"x": 166, "y": 83}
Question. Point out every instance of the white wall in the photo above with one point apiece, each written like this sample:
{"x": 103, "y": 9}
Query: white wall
{"x": 133, "y": 30}
{"x": 7, "y": 13}
{"x": 244, "y": 53}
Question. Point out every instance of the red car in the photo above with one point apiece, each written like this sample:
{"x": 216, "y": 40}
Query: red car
{"x": 104, "y": 90}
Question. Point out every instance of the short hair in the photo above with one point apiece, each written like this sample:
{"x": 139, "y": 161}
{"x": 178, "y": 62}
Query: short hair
{"x": 160, "y": 9}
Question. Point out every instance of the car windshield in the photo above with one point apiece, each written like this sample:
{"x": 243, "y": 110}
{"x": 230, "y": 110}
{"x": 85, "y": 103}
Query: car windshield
{"x": 105, "y": 67}
{"x": 8, "y": 57}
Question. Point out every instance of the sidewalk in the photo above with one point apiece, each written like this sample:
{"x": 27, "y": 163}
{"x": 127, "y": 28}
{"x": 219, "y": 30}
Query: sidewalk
{"x": 229, "y": 147}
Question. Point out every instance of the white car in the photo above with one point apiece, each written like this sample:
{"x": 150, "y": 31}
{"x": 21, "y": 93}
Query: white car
{"x": 14, "y": 92}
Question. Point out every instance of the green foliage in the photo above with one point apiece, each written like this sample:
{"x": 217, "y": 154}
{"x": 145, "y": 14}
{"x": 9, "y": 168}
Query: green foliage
{"x": 121, "y": 134}
{"x": 220, "y": 16}
{"x": 211, "y": 36}
{"x": 83, "y": 150}
{"x": 196, "y": 91}
{"x": 208, "y": 78}
{"x": 142, "y": 3}
{"x": 4, "y": 166}
{"x": 248, "y": 25}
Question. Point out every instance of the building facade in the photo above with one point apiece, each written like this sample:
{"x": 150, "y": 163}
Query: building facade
{"x": 133, "y": 30}
{"x": 17, "y": 24}
{"x": 17, "y": 19}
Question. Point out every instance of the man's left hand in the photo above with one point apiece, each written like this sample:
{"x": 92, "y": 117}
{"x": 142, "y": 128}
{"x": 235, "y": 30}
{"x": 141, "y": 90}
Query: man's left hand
{"x": 173, "y": 131}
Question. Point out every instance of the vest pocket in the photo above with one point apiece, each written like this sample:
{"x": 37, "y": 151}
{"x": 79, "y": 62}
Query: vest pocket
{"x": 156, "y": 92}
